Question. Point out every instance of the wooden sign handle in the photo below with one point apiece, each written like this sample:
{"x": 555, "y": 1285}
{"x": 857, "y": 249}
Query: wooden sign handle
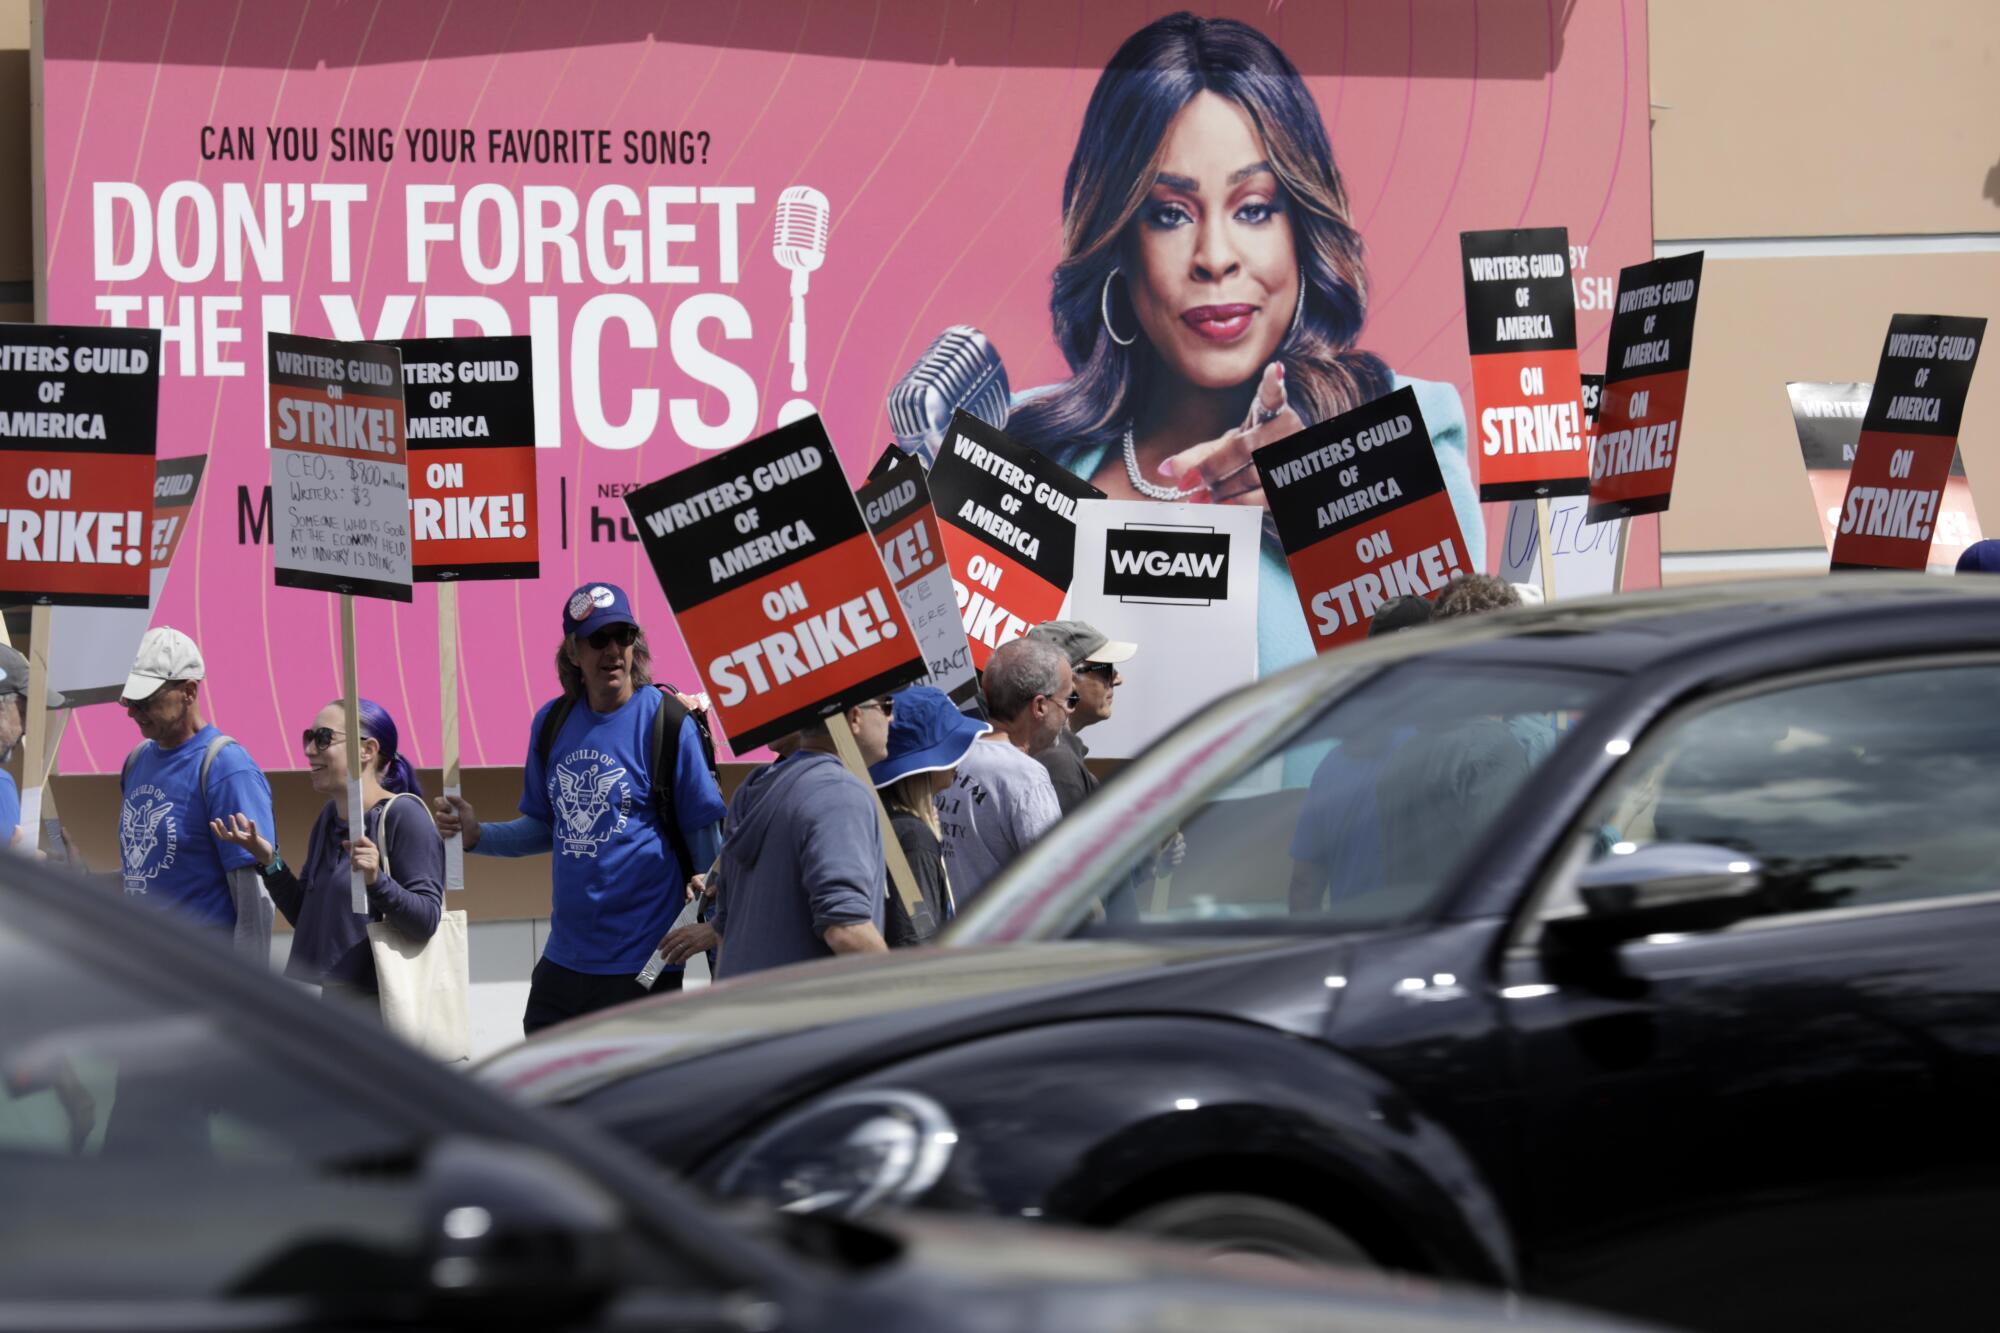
{"x": 1624, "y": 549}
{"x": 357, "y": 816}
{"x": 35, "y": 752}
{"x": 1546, "y": 547}
{"x": 901, "y": 879}
{"x": 454, "y": 846}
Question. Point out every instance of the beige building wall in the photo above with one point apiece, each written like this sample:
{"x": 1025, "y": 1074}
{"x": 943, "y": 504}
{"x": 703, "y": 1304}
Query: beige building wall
{"x": 1839, "y": 161}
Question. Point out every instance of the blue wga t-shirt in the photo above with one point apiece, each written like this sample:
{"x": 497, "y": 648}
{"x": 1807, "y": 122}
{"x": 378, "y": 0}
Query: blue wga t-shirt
{"x": 10, "y": 807}
{"x": 615, "y": 887}
{"x": 166, "y": 851}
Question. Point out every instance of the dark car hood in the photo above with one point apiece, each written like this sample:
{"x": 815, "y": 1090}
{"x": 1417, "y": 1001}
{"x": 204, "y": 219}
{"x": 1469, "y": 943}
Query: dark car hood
{"x": 881, "y": 999}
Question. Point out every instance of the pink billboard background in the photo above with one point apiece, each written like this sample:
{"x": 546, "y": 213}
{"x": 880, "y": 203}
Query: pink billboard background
{"x": 938, "y": 130}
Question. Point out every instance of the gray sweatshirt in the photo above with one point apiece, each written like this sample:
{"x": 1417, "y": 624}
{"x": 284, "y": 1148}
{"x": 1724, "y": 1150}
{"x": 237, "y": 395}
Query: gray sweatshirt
{"x": 802, "y": 853}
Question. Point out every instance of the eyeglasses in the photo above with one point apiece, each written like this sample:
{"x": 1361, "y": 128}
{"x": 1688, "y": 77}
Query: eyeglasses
{"x": 622, "y": 635}
{"x": 151, "y": 701}
{"x": 1067, "y": 705}
{"x": 888, "y": 708}
{"x": 319, "y": 738}
{"x": 1104, "y": 669}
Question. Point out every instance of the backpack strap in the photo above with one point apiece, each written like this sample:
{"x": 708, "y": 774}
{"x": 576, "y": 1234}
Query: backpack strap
{"x": 215, "y": 747}
{"x": 552, "y": 723}
{"x": 130, "y": 759}
{"x": 663, "y": 756}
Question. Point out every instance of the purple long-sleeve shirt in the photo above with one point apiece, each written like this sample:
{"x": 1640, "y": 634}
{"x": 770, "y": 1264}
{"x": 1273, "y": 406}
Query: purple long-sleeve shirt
{"x": 330, "y": 940}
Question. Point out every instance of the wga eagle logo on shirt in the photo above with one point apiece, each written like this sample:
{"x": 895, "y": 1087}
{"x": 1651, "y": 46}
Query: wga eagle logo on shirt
{"x": 148, "y": 837}
{"x": 591, "y": 799}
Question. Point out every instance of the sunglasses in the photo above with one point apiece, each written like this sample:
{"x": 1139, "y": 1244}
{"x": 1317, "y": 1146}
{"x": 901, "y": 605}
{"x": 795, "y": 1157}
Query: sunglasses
{"x": 1104, "y": 669}
{"x": 888, "y": 708}
{"x": 622, "y": 635}
{"x": 319, "y": 738}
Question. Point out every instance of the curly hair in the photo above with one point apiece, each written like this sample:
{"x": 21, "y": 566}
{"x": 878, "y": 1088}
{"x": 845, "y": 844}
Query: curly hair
{"x": 1472, "y": 594}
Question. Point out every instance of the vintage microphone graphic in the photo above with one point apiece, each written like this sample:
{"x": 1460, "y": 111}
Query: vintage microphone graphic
{"x": 798, "y": 243}
{"x": 960, "y": 369}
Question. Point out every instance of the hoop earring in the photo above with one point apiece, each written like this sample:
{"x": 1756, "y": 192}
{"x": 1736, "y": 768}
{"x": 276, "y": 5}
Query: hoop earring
{"x": 1298, "y": 310}
{"x": 1104, "y": 309}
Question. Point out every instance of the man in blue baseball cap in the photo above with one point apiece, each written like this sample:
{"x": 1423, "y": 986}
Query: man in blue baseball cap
{"x": 619, "y": 786}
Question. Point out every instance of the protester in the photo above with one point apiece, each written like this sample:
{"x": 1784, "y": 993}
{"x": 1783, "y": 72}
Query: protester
{"x": 627, "y": 836}
{"x": 1982, "y": 557}
{"x": 1399, "y": 613}
{"x": 1093, "y": 660}
{"x": 13, "y": 725}
{"x": 928, "y": 737}
{"x": 406, "y": 888}
{"x": 1002, "y": 800}
{"x": 181, "y": 778}
{"x": 1472, "y": 594}
{"x": 1363, "y": 825}
{"x": 802, "y": 874}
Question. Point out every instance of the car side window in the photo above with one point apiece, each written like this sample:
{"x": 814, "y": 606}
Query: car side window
{"x": 1361, "y": 816}
{"x": 148, "y": 1150}
{"x": 1851, "y": 792}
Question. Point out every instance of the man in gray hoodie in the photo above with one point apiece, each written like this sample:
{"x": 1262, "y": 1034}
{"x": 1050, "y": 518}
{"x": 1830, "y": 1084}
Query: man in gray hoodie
{"x": 802, "y": 874}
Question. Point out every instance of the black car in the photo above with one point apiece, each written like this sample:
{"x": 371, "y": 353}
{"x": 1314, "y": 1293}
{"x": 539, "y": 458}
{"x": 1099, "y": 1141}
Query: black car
{"x": 187, "y": 1145}
{"x": 1641, "y": 952}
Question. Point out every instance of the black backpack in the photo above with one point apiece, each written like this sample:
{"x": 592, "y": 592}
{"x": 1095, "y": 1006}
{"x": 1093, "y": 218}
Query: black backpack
{"x": 666, "y": 722}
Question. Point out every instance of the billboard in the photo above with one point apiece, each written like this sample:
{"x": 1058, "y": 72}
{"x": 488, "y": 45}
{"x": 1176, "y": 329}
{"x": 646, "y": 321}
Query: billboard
{"x": 712, "y": 221}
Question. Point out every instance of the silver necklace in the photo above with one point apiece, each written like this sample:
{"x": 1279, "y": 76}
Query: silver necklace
{"x": 1152, "y": 490}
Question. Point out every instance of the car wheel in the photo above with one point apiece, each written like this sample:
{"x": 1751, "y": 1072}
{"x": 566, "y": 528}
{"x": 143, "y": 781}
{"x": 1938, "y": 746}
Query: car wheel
{"x": 1249, "y": 1224}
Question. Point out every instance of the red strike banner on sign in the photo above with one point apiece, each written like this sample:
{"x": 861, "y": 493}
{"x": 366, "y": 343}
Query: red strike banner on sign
{"x": 1908, "y": 438}
{"x": 1362, "y": 513}
{"x": 1520, "y": 322}
{"x": 78, "y": 409}
{"x": 1645, "y": 388}
{"x": 776, "y": 584}
{"x": 471, "y": 422}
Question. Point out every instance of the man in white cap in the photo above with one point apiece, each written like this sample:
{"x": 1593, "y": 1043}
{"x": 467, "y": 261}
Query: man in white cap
{"x": 1093, "y": 659}
{"x": 13, "y": 724}
{"x": 184, "y": 774}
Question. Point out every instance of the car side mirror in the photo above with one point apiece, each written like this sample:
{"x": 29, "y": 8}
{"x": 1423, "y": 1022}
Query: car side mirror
{"x": 514, "y": 1236}
{"x": 1660, "y": 888}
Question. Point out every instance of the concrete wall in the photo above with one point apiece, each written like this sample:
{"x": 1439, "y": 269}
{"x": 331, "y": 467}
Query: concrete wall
{"x": 1839, "y": 161}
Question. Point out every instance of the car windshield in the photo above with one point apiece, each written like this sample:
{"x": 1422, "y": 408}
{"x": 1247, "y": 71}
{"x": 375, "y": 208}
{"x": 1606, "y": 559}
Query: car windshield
{"x": 1296, "y": 807}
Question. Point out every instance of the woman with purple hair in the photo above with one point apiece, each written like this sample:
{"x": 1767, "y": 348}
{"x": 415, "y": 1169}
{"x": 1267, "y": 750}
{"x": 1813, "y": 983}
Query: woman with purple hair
{"x": 405, "y": 887}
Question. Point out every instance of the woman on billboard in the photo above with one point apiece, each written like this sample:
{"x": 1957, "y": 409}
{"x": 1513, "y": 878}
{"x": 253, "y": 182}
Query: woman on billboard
{"x": 1211, "y": 291}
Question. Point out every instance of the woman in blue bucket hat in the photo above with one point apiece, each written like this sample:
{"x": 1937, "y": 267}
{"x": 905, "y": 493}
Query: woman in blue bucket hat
{"x": 927, "y": 738}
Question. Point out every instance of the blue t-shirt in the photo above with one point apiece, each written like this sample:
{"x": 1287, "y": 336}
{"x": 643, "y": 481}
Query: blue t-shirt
{"x": 615, "y": 888}
{"x": 166, "y": 851}
{"x": 10, "y": 807}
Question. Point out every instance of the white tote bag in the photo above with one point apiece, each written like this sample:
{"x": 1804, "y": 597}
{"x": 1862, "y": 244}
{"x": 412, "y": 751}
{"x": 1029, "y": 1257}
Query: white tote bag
{"x": 426, "y": 988}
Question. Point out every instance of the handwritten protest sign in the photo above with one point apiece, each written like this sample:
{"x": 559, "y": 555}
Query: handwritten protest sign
{"x": 79, "y": 409}
{"x": 340, "y": 498}
{"x": 1362, "y": 513}
{"x": 1889, "y": 516}
{"x": 1009, "y": 518}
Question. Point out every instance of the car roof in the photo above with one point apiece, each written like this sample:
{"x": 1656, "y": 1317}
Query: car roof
{"x": 1629, "y": 632}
